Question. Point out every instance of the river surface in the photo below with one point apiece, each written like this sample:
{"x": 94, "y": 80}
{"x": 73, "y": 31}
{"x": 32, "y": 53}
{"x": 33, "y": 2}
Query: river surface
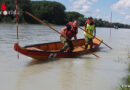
{"x": 83, "y": 73}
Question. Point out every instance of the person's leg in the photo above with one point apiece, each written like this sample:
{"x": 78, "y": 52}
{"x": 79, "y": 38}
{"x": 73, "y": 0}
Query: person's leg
{"x": 91, "y": 43}
{"x": 86, "y": 42}
{"x": 64, "y": 42}
{"x": 71, "y": 46}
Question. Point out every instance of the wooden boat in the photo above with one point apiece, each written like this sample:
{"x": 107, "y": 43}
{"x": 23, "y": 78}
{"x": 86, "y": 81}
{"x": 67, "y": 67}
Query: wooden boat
{"x": 51, "y": 50}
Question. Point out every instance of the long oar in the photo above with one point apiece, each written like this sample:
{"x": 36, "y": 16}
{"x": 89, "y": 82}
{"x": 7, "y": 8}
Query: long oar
{"x": 45, "y": 24}
{"x": 96, "y": 38}
{"x": 52, "y": 28}
{"x": 94, "y": 54}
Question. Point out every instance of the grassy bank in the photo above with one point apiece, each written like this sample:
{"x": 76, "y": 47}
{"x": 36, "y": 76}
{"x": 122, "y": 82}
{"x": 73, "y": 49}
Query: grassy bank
{"x": 126, "y": 85}
{"x": 126, "y": 80}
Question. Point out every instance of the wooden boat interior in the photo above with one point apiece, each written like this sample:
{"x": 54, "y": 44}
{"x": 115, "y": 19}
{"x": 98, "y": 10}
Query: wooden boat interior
{"x": 56, "y": 46}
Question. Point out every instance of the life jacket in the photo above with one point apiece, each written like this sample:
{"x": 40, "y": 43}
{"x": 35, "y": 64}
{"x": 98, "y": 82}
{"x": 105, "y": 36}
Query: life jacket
{"x": 70, "y": 32}
{"x": 89, "y": 28}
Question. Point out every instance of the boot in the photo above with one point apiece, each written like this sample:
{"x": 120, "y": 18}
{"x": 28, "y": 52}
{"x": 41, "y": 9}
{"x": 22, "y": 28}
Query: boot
{"x": 62, "y": 50}
{"x": 91, "y": 47}
{"x": 69, "y": 51}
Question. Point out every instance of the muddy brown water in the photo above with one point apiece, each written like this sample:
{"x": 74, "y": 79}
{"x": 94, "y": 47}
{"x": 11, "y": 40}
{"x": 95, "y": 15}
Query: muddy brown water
{"x": 83, "y": 73}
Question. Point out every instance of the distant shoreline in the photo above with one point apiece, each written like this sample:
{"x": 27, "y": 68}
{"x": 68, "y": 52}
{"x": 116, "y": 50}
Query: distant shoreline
{"x": 54, "y": 25}
{"x": 51, "y": 12}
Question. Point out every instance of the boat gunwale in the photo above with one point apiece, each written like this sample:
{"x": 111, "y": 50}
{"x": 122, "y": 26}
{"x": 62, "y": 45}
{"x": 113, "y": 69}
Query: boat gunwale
{"x": 48, "y": 51}
{"x": 45, "y": 43}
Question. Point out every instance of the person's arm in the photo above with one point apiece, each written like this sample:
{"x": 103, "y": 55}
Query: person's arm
{"x": 63, "y": 32}
{"x": 63, "y": 29}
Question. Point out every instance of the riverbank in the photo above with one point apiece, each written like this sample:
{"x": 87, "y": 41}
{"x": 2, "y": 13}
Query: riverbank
{"x": 126, "y": 80}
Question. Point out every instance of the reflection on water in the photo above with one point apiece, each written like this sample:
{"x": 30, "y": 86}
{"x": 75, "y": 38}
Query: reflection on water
{"x": 82, "y": 73}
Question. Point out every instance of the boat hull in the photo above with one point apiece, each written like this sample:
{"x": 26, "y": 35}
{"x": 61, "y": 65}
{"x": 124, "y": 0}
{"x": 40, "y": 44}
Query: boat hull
{"x": 51, "y": 50}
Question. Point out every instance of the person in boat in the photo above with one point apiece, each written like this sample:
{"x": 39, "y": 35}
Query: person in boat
{"x": 69, "y": 31}
{"x": 89, "y": 30}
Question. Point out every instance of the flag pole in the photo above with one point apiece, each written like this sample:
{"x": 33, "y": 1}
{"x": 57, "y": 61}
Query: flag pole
{"x": 110, "y": 25}
{"x": 17, "y": 24}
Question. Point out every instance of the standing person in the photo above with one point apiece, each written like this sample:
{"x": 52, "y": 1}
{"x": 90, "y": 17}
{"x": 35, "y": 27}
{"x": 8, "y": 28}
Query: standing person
{"x": 70, "y": 30}
{"x": 89, "y": 27}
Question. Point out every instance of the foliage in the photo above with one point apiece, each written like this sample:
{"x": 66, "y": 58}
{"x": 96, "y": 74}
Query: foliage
{"x": 71, "y": 16}
{"x": 53, "y": 12}
{"x": 49, "y": 11}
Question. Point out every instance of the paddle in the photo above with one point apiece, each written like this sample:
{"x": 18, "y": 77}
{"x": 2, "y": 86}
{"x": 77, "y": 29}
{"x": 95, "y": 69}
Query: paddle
{"x": 96, "y": 38}
{"x": 52, "y": 28}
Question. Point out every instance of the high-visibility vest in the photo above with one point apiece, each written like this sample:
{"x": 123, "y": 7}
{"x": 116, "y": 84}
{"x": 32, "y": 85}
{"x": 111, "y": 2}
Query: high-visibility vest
{"x": 89, "y": 29}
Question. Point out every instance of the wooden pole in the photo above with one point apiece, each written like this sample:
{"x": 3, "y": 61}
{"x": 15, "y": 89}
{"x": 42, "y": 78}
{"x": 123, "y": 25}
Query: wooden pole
{"x": 96, "y": 38}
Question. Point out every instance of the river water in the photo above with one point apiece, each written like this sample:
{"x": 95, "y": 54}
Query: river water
{"x": 83, "y": 73}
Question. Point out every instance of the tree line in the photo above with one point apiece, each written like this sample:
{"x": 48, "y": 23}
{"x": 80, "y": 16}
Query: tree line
{"x": 49, "y": 11}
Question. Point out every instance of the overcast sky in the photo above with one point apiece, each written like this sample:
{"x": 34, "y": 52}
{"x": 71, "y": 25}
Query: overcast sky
{"x": 100, "y": 8}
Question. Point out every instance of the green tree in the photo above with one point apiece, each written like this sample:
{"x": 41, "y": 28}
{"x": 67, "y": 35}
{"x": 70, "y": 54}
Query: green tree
{"x": 25, "y": 5}
{"x": 71, "y": 16}
{"x": 49, "y": 11}
{"x": 53, "y": 12}
{"x": 82, "y": 21}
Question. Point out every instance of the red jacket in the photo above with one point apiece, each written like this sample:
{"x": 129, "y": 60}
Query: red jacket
{"x": 70, "y": 31}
